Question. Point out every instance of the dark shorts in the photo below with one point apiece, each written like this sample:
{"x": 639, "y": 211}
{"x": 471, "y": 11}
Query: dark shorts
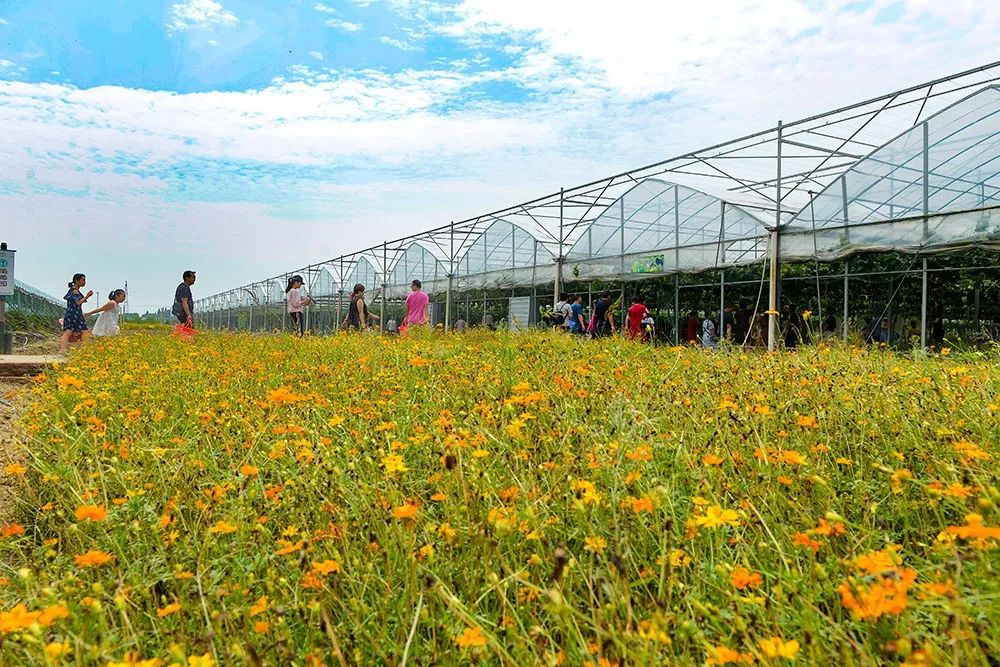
{"x": 299, "y": 322}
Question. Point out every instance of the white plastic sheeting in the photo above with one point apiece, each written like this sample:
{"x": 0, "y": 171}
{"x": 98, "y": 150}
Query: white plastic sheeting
{"x": 505, "y": 255}
{"x": 658, "y": 227}
{"x": 934, "y": 187}
{"x": 416, "y": 263}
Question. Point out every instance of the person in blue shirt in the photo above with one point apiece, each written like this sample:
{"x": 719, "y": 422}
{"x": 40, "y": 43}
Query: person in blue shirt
{"x": 576, "y": 324}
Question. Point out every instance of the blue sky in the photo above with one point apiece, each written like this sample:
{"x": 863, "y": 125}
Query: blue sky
{"x": 246, "y": 138}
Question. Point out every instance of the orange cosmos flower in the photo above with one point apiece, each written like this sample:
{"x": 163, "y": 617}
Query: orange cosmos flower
{"x": 12, "y": 530}
{"x": 712, "y": 460}
{"x": 803, "y": 540}
{"x": 91, "y": 513}
{"x": 792, "y": 457}
{"x": 260, "y": 627}
{"x": 886, "y": 596}
{"x": 742, "y": 578}
{"x": 974, "y": 529}
{"x": 15, "y": 469}
{"x": 405, "y": 511}
{"x": 222, "y": 528}
{"x": 644, "y": 504}
{"x": 248, "y": 470}
{"x": 806, "y": 421}
{"x": 326, "y": 567}
{"x": 18, "y": 618}
{"x": 93, "y": 559}
{"x": 172, "y": 608}
{"x": 260, "y": 606}
{"x": 471, "y": 637}
{"x": 50, "y": 615}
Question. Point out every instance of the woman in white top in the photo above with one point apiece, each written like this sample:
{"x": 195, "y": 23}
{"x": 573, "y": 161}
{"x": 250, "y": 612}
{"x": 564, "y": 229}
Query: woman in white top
{"x": 107, "y": 321}
{"x": 297, "y": 303}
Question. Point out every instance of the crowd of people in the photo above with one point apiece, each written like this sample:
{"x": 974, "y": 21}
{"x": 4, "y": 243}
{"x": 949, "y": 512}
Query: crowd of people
{"x": 740, "y": 325}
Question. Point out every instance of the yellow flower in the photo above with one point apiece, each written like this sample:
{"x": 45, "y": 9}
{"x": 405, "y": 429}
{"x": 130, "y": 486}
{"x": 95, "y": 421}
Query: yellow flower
{"x": 678, "y": 558}
{"x": 716, "y": 517}
{"x": 204, "y": 660}
{"x": 132, "y": 659}
{"x": 222, "y": 528}
{"x": 393, "y": 463}
{"x": 471, "y": 637}
{"x": 55, "y": 650}
{"x": 595, "y": 544}
{"x": 775, "y": 647}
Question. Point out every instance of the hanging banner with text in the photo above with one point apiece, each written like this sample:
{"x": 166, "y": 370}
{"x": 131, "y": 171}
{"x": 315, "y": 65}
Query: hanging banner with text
{"x": 651, "y": 264}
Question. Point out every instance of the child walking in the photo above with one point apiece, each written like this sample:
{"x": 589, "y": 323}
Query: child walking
{"x": 107, "y": 321}
{"x": 297, "y": 304}
{"x": 73, "y": 322}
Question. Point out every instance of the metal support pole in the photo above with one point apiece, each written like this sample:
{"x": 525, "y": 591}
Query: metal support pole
{"x": 772, "y": 302}
{"x": 923, "y": 307}
{"x": 721, "y": 254}
{"x": 846, "y": 297}
{"x": 722, "y": 304}
{"x": 926, "y": 207}
{"x": 451, "y": 274}
{"x": 621, "y": 235}
{"x": 385, "y": 270}
{"x": 559, "y": 253}
{"x": 340, "y": 295}
{"x": 677, "y": 308}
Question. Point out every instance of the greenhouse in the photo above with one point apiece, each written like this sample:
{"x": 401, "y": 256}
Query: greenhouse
{"x": 878, "y": 220}
{"x": 30, "y": 314}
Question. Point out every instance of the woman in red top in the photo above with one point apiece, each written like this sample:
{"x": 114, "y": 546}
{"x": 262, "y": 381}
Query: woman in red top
{"x": 637, "y": 312}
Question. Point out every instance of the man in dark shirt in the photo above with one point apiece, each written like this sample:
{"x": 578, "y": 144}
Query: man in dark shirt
{"x": 183, "y": 308}
{"x": 604, "y": 324}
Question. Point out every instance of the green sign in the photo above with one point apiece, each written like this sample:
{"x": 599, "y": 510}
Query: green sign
{"x": 651, "y": 264}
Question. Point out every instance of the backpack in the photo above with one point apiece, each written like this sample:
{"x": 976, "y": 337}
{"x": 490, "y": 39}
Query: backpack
{"x": 558, "y": 316}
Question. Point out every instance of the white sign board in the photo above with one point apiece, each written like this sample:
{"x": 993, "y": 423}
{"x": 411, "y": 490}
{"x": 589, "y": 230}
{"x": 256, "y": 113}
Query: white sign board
{"x": 520, "y": 313}
{"x": 6, "y": 272}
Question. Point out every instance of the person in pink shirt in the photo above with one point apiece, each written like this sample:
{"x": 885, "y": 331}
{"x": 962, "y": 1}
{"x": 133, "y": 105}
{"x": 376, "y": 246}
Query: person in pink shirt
{"x": 416, "y": 307}
{"x": 297, "y": 304}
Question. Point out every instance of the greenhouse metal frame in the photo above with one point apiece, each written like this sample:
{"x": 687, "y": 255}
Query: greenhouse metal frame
{"x": 915, "y": 171}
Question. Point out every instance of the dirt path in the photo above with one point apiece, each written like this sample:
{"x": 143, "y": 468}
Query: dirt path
{"x": 13, "y": 399}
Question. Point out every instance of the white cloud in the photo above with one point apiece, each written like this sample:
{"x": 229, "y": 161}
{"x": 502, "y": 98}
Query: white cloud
{"x": 346, "y": 26}
{"x": 316, "y": 54}
{"x": 213, "y": 42}
{"x": 195, "y": 14}
{"x": 4, "y": 21}
{"x": 399, "y": 44}
{"x": 6, "y": 64}
{"x": 326, "y": 9}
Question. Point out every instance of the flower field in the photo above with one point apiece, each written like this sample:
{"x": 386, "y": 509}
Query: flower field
{"x": 502, "y": 499}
